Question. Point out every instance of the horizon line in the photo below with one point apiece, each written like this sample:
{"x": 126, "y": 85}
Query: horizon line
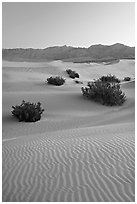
{"x": 69, "y": 46}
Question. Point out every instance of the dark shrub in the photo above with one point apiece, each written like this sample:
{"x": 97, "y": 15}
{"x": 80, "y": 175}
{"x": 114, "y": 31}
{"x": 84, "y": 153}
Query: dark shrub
{"x": 109, "y": 78}
{"x": 76, "y": 75}
{"x": 28, "y": 112}
{"x": 68, "y": 71}
{"x": 78, "y": 82}
{"x": 105, "y": 93}
{"x": 127, "y": 79}
{"x": 72, "y": 74}
{"x": 58, "y": 81}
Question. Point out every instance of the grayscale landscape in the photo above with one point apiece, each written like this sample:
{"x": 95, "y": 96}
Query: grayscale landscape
{"x": 80, "y": 145}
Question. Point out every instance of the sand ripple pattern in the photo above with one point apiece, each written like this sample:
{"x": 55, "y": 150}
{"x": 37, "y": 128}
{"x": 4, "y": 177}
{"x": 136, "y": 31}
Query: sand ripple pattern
{"x": 88, "y": 164}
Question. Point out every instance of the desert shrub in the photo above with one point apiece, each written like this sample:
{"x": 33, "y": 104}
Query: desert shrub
{"x": 109, "y": 78}
{"x": 58, "y": 81}
{"x": 76, "y": 75}
{"x": 72, "y": 74}
{"x": 127, "y": 79}
{"x": 28, "y": 112}
{"x": 105, "y": 93}
{"x": 78, "y": 82}
{"x": 68, "y": 71}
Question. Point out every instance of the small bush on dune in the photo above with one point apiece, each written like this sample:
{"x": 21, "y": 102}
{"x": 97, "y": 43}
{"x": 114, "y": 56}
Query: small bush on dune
{"x": 105, "y": 93}
{"x": 109, "y": 78}
{"x": 72, "y": 74}
{"x": 127, "y": 79}
{"x": 68, "y": 71}
{"x": 58, "y": 81}
{"x": 76, "y": 75}
{"x": 78, "y": 82}
{"x": 28, "y": 112}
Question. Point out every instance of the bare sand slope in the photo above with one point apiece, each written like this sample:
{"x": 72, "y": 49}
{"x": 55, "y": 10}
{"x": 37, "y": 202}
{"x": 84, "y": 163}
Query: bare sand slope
{"x": 78, "y": 151}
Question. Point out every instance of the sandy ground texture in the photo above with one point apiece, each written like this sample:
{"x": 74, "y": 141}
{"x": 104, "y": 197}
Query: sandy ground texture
{"x": 79, "y": 150}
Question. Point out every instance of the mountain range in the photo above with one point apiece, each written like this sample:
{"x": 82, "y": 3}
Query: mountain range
{"x": 73, "y": 54}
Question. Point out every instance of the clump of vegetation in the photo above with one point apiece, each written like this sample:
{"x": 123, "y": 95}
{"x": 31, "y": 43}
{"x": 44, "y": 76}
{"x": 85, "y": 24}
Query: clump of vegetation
{"x": 105, "y": 93}
{"x": 76, "y": 75}
{"x": 68, "y": 71}
{"x": 72, "y": 74}
{"x": 78, "y": 82}
{"x": 58, "y": 81}
{"x": 109, "y": 78}
{"x": 127, "y": 79}
{"x": 28, "y": 112}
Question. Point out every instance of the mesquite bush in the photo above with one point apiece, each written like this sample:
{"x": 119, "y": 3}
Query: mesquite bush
{"x": 127, "y": 79}
{"x": 58, "y": 81}
{"x": 28, "y": 112}
{"x": 105, "y": 93}
{"x": 109, "y": 78}
{"x": 72, "y": 74}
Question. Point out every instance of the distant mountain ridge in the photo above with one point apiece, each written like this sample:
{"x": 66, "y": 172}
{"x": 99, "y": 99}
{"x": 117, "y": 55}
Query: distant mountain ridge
{"x": 74, "y": 54}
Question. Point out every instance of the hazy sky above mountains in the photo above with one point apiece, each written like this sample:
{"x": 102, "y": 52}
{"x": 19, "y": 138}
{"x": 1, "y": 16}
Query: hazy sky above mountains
{"x": 40, "y": 25}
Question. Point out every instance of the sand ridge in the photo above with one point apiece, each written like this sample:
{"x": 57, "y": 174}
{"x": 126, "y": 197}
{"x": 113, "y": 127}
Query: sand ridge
{"x": 79, "y": 150}
{"x": 87, "y": 164}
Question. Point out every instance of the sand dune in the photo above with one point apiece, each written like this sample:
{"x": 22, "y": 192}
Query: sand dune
{"x": 79, "y": 150}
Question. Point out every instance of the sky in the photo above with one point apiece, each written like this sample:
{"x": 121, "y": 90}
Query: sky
{"x": 81, "y": 24}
